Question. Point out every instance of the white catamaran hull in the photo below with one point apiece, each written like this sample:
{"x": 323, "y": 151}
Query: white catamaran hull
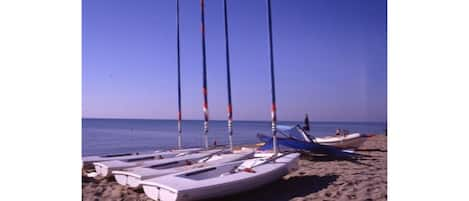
{"x": 89, "y": 160}
{"x": 132, "y": 177}
{"x": 218, "y": 180}
{"x": 349, "y": 141}
{"x": 105, "y": 168}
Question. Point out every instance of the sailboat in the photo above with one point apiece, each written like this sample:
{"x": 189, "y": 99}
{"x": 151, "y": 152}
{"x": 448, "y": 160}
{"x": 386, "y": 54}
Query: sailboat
{"x": 88, "y": 161}
{"x": 221, "y": 180}
{"x": 134, "y": 175}
{"x": 226, "y": 178}
{"x": 105, "y": 168}
{"x": 104, "y": 165}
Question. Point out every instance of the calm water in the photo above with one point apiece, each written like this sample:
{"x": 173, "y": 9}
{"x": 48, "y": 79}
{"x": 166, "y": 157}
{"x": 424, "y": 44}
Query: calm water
{"x": 102, "y": 136}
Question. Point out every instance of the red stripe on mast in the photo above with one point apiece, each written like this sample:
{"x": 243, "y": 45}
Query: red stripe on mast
{"x": 230, "y": 110}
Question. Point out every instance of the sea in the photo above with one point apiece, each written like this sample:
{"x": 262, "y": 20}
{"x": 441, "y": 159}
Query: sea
{"x": 110, "y": 136}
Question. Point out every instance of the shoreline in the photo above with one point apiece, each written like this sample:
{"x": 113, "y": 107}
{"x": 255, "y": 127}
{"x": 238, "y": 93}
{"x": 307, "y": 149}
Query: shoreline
{"x": 318, "y": 178}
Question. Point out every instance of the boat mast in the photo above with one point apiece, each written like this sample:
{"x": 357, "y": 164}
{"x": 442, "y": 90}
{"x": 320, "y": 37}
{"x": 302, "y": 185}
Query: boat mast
{"x": 228, "y": 78}
{"x": 179, "y": 78}
{"x": 204, "y": 65}
{"x": 272, "y": 78}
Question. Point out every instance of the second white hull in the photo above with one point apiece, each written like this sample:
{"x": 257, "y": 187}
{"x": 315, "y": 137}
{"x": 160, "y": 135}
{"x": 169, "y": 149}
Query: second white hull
{"x": 132, "y": 177}
{"x": 105, "y": 168}
{"x": 217, "y": 181}
{"x": 350, "y": 141}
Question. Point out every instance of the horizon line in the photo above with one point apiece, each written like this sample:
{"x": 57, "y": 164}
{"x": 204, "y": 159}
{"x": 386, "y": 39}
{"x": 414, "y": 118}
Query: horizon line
{"x": 341, "y": 121}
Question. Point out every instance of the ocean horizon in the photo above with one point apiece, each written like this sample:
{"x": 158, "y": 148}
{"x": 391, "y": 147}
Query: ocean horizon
{"x": 119, "y": 135}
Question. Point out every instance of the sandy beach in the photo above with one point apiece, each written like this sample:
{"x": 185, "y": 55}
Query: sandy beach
{"x": 318, "y": 178}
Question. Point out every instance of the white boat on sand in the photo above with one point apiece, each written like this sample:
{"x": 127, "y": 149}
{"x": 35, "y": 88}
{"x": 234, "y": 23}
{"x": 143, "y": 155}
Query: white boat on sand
{"x": 343, "y": 141}
{"x": 133, "y": 176}
{"x": 104, "y": 168}
{"x": 89, "y": 160}
{"x": 221, "y": 179}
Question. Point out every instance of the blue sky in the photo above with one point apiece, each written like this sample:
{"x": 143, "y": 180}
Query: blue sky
{"x": 330, "y": 59}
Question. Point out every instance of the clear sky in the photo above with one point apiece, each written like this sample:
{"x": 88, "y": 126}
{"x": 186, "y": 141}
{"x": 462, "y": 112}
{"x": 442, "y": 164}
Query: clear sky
{"x": 330, "y": 59}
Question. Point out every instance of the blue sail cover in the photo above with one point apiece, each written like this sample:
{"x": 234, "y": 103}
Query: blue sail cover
{"x": 303, "y": 145}
{"x": 284, "y": 127}
{"x": 291, "y": 143}
{"x": 290, "y": 131}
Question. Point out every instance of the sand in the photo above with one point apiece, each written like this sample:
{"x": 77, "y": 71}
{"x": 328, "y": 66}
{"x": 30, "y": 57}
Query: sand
{"x": 318, "y": 178}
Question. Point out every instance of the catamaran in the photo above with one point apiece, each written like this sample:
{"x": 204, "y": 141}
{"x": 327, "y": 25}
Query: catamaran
{"x": 222, "y": 179}
{"x": 226, "y": 178}
{"x": 104, "y": 168}
{"x": 103, "y": 165}
{"x": 132, "y": 177}
{"x": 132, "y": 173}
{"x": 89, "y": 160}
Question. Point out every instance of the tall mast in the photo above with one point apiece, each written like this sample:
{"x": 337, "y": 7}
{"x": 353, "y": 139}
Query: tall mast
{"x": 228, "y": 78}
{"x": 204, "y": 65}
{"x": 272, "y": 78}
{"x": 179, "y": 79}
